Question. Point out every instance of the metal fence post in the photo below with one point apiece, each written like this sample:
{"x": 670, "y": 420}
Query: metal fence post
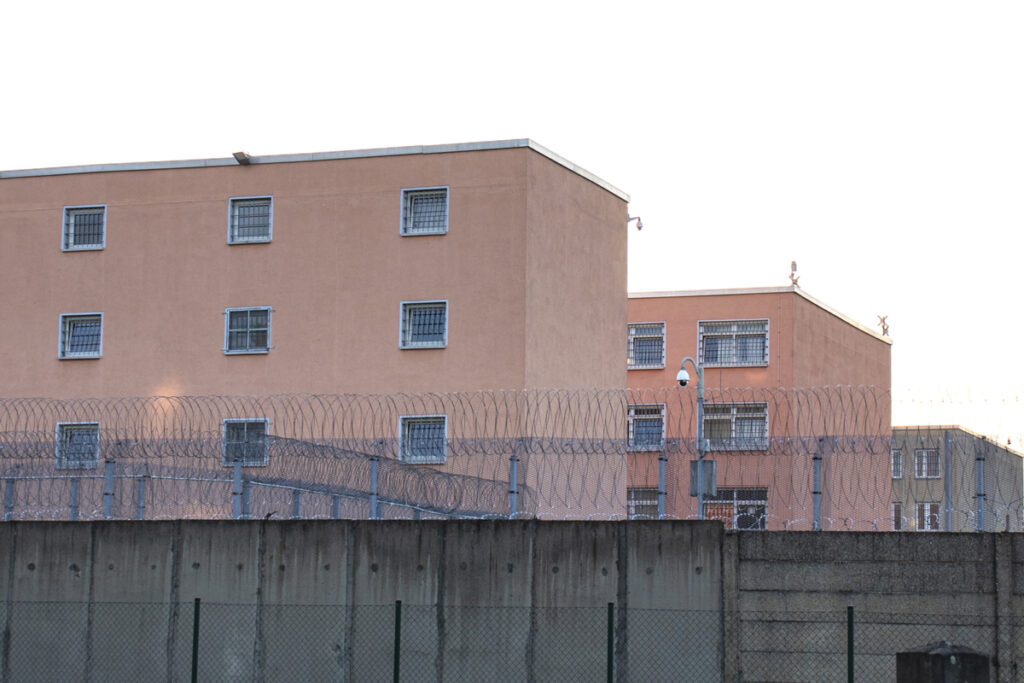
{"x": 374, "y": 464}
{"x": 296, "y": 504}
{"x": 246, "y": 491}
{"x": 980, "y": 468}
{"x": 195, "y": 641}
{"x": 108, "y": 489}
{"x": 140, "y": 504}
{"x": 662, "y": 461}
{"x": 610, "y": 657}
{"x": 335, "y": 506}
{"x": 236, "y": 491}
{"x": 397, "y": 665}
{"x": 73, "y": 502}
{"x": 817, "y": 488}
{"x": 947, "y": 476}
{"x": 513, "y": 485}
{"x": 849, "y": 644}
{"x": 8, "y": 500}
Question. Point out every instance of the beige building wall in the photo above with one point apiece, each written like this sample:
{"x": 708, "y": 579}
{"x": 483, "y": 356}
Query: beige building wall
{"x": 957, "y": 466}
{"x": 527, "y": 232}
{"x": 818, "y": 362}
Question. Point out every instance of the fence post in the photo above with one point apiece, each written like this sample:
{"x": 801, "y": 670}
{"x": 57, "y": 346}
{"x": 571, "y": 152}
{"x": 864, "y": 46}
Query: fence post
{"x": 236, "y": 491}
{"x": 108, "y": 489}
{"x": 140, "y": 505}
{"x": 662, "y": 460}
{"x": 817, "y": 488}
{"x": 296, "y": 504}
{"x": 335, "y": 506}
{"x": 397, "y": 665}
{"x": 849, "y": 644}
{"x": 980, "y": 462}
{"x": 195, "y": 642}
{"x": 246, "y": 491}
{"x": 513, "y": 486}
{"x": 374, "y": 472}
{"x": 73, "y": 503}
{"x": 947, "y": 477}
{"x": 610, "y": 657}
{"x": 8, "y": 500}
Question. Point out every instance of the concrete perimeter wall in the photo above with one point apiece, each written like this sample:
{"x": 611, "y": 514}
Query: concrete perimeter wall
{"x": 312, "y": 600}
{"x": 478, "y": 597}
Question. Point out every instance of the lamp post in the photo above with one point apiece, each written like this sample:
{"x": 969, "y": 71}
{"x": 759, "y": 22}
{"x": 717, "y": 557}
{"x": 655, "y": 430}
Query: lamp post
{"x": 683, "y": 377}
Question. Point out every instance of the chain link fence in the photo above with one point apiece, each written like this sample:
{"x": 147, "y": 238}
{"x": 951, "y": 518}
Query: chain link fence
{"x": 396, "y": 642}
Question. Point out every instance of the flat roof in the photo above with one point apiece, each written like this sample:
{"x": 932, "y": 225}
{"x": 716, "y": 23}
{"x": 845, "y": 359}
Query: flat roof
{"x": 323, "y": 156}
{"x": 763, "y": 290}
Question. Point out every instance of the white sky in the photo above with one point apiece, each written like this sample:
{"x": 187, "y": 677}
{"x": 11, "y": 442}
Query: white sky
{"x": 878, "y": 144}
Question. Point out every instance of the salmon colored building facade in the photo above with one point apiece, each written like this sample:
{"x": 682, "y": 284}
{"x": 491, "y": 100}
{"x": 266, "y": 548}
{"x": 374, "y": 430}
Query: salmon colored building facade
{"x": 781, "y": 370}
{"x": 138, "y": 267}
{"x": 405, "y": 271}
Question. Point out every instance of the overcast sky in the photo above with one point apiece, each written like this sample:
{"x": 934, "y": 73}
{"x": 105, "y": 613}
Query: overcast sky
{"x": 880, "y": 145}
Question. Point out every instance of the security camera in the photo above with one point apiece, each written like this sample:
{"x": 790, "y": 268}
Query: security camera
{"x": 682, "y": 377}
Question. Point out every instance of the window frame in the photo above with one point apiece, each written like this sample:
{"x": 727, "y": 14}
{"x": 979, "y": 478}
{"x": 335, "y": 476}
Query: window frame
{"x": 734, "y": 501}
{"x": 921, "y": 464}
{"x": 249, "y": 350}
{"x": 61, "y": 461}
{"x": 631, "y": 338}
{"x": 731, "y": 443}
{"x": 233, "y": 239}
{"x": 404, "y": 448}
{"x": 919, "y": 508}
{"x": 897, "y": 515}
{"x": 631, "y": 420}
{"x": 896, "y": 463}
{"x": 65, "y": 232}
{"x": 64, "y": 336}
{"x": 408, "y": 195}
{"x": 405, "y": 306}
{"x": 264, "y": 461}
{"x": 635, "y": 501}
{"x": 735, "y": 333}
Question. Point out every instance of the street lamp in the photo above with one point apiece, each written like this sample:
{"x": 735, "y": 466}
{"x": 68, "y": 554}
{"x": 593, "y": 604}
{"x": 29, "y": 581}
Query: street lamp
{"x": 683, "y": 377}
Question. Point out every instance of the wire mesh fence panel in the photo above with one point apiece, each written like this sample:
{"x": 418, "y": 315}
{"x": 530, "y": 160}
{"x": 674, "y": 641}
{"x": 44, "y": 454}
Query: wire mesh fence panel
{"x": 570, "y": 644}
{"x": 371, "y": 646}
{"x": 879, "y": 637}
{"x": 813, "y": 646}
{"x": 50, "y": 642}
{"x": 305, "y": 643}
{"x": 675, "y": 645}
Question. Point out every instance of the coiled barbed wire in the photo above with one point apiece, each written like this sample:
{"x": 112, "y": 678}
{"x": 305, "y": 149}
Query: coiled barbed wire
{"x": 574, "y": 451}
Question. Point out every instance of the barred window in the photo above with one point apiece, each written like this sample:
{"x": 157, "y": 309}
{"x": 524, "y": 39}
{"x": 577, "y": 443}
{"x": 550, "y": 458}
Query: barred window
{"x": 424, "y": 324}
{"x": 425, "y": 211}
{"x": 247, "y": 330}
{"x": 85, "y": 227}
{"x": 725, "y": 343}
{"x": 897, "y": 463}
{"x": 81, "y": 335}
{"x": 928, "y": 517}
{"x": 897, "y": 516}
{"x": 250, "y": 220}
{"x": 423, "y": 439}
{"x": 78, "y": 445}
{"x": 926, "y": 463}
{"x": 245, "y": 440}
{"x": 646, "y": 346}
{"x": 646, "y": 427}
{"x": 642, "y": 503}
{"x": 736, "y": 426}
{"x": 739, "y": 508}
